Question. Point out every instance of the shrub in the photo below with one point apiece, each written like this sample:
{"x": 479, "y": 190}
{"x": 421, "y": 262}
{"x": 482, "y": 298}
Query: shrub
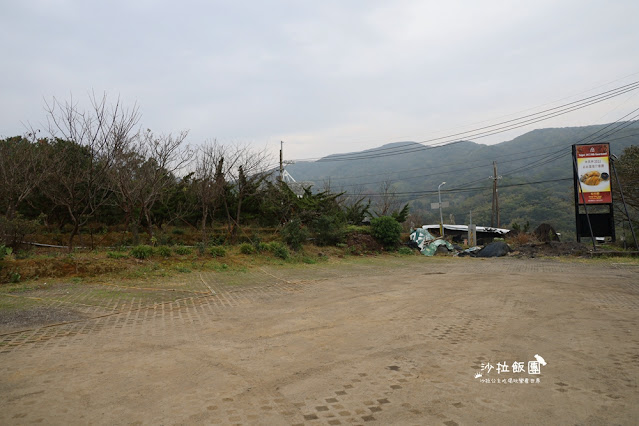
{"x": 217, "y": 251}
{"x": 178, "y": 231}
{"x": 164, "y": 251}
{"x": 386, "y": 230}
{"x": 142, "y": 252}
{"x": 5, "y": 251}
{"x": 294, "y": 234}
{"x": 14, "y": 277}
{"x": 217, "y": 240}
{"x": 405, "y": 250}
{"x": 182, "y": 251}
{"x": 247, "y": 248}
{"x": 279, "y": 250}
{"x": 329, "y": 230}
{"x": 201, "y": 248}
{"x": 13, "y": 231}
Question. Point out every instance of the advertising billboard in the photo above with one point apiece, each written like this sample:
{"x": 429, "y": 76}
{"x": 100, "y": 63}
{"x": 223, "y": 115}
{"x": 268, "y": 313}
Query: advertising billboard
{"x": 593, "y": 173}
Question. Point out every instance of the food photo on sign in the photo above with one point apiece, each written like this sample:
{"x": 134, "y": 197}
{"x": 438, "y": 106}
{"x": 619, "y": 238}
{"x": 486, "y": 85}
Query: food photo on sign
{"x": 593, "y": 170}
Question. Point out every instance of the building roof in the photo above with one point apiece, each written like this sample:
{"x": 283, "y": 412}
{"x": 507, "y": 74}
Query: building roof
{"x": 464, "y": 228}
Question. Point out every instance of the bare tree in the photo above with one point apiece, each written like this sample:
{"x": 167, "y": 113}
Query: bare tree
{"x": 209, "y": 177}
{"x": 246, "y": 172}
{"x": 144, "y": 168}
{"x": 387, "y": 201}
{"x": 82, "y": 152}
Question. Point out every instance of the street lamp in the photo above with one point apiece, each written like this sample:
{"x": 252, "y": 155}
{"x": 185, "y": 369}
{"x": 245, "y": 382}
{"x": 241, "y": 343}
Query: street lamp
{"x": 441, "y": 218}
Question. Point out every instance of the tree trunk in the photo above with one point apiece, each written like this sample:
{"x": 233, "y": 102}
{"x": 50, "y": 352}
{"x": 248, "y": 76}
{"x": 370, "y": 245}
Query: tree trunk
{"x": 149, "y": 225}
{"x": 10, "y": 210}
{"x": 205, "y": 212}
{"x": 237, "y": 217}
{"x": 74, "y": 232}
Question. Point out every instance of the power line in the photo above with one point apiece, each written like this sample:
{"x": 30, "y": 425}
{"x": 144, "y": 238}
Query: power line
{"x": 461, "y": 190}
{"x": 442, "y": 165}
{"x": 453, "y": 142}
{"x": 476, "y": 133}
{"x": 550, "y": 157}
{"x": 436, "y": 173}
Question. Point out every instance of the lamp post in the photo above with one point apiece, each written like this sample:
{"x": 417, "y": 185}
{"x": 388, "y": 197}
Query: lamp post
{"x": 441, "y": 217}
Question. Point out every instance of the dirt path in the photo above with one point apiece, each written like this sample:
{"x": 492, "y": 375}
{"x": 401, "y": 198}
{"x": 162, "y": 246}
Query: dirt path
{"x": 383, "y": 343}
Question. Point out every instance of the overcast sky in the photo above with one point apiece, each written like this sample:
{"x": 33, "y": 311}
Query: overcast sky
{"x": 324, "y": 76}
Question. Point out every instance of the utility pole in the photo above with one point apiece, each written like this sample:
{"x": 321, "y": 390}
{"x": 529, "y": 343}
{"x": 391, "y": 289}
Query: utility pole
{"x": 441, "y": 217}
{"x": 281, "y": 162}
{"x": 495, "y": 210}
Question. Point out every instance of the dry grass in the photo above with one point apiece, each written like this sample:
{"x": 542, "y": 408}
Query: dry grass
{"x": 521, "y": 239}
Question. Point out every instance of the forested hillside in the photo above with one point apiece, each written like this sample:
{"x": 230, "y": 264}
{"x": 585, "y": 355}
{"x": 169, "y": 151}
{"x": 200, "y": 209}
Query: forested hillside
{"x": 535, "y": 171}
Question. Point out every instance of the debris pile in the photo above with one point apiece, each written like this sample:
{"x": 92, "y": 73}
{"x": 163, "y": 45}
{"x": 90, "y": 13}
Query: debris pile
{"x": 428, "y": 244}
{"x": 546, "y": 244}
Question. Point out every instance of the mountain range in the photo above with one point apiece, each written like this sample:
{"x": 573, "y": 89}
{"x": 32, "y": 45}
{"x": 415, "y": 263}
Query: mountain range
{"x": 534, "y": 170}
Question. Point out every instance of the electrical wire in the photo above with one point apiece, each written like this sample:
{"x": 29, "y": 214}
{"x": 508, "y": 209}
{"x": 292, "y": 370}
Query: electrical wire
{"x": 476, "y": 133}
{"x": 461, "y": 190}
{"x": 447, "y": 143}
{"x": 433, "y": 174}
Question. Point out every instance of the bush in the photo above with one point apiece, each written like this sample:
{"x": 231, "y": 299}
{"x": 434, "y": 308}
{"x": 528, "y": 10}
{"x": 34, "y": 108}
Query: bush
{"x": 14, "y": 277}
{"x": 142, "y": 252}
{"x": 13, "y": 231}
{"x": 294, "y": 234}
{"x": 5, "y": 251}
{"x": 182, "y": 251}
{"x": 247, "y": 248}
{"x": 386, "y": 230}
{"x": 217, "y": 251}
{"x": 329, "y": 230}
{"x": 164, "y": 251}
{"x": 201, "y": 248}
{"x": 279, "y": 250}
{"x": 405, "y": 250}
{"x": 217, "y": 240}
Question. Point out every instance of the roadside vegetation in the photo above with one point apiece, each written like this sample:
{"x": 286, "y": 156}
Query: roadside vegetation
{"x": 111, "y": 196}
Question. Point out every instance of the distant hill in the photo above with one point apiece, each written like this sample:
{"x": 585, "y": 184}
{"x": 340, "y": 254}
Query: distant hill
{"x": 413, "y": 172}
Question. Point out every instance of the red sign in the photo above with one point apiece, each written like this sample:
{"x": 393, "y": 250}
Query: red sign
{"x": 593, "y": 172}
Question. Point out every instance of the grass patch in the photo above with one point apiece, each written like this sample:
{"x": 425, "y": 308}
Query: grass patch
{"x": 182, "y": 250}
{"x": 142, "y": 252}
{"x": 116, "y": 255}
{"x": 217, "y": 251}
{"x": 246, "y": 248}
{"x": 407, "y": 251}
{"x": 164, "y": 251}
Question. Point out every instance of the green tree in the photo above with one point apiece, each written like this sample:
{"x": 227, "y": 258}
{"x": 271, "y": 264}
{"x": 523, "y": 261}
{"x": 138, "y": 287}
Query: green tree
{"x": 386, "y": 230}
{"x": 627, "y": 167}
{"x": 23, "y": 166}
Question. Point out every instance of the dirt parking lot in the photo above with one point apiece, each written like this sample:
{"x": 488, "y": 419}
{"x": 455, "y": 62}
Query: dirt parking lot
{"x": 387, "y": 340}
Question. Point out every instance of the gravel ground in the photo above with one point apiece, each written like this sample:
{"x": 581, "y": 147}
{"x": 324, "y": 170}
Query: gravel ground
{"x": 414, "y": 341}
